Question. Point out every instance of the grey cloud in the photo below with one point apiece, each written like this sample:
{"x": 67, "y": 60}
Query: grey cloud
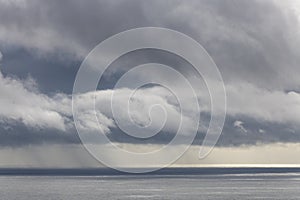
{"x": 16, "y": 134}
{"x": 52, "y": 74}
{"x": 258, "y": 132}
{"x": 254, "y": 41}
{"x": 74, "y": 28}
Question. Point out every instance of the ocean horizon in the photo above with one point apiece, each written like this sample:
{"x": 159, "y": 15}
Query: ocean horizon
{"x": 169, "y": 183}
{"x": 164, "y": 171}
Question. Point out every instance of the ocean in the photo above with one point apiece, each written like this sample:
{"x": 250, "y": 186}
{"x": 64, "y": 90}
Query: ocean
{"x": 199, "y": 184}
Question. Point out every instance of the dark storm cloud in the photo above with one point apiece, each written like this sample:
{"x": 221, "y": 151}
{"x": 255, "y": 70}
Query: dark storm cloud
{"x": 249, "y": 40}
{"x": 52, "y": 75}
{"x": 16, "y": 134}
{"x": 74, "y": 28}
{"x": 255, "y": 132}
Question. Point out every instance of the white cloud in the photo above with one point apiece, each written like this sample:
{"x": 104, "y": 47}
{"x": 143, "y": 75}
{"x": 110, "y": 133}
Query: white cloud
{"x": 261, "y": 131}
{"x": 21, "y": 102}
{"x": 239, "y": 124}
{"x": 140, "y": 111}
{"x": 248, "y": 100}
{"x": 293, "y": 5}
{"x": 266, "y": 105}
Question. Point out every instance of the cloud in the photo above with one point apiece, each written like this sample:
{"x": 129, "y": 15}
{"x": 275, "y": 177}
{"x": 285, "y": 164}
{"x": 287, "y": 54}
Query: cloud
{"x": 1, "y": 56}
{"x": 256, "y": 49}
{"x": 239, "y": 125}
{"x": 250, "y": 44}
{"x": 151, "y": 109}
{"x": 66, "y": 32}
{"x": 20, "y": 101}
{"x": 23, "y": 107}
{"x": 263, "y": 104}
{"x": 261, "y": 131}
{"x": 27, "y": 113}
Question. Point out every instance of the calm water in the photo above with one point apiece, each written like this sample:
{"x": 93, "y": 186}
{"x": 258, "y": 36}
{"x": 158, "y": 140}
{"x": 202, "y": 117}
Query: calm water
{"x": 250, "y": 186}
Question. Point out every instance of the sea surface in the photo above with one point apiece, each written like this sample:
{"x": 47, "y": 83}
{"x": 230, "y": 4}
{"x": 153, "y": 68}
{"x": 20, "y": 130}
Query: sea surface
{"x": 151, "y": 186}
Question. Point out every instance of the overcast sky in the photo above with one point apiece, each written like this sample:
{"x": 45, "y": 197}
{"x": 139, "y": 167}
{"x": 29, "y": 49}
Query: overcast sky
{"x": 255, "y": 44}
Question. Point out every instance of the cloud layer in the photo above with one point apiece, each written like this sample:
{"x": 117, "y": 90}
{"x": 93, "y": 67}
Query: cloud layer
{"x": 252, "y": 117}
{"x": 254, "y": 43}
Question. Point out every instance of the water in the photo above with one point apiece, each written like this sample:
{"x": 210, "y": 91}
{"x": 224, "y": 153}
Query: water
{"x": 243, "y": 186}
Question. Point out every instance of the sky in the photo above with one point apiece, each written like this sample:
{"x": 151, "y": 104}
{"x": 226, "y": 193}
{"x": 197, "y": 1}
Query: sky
{"x": 255, "y": 44}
